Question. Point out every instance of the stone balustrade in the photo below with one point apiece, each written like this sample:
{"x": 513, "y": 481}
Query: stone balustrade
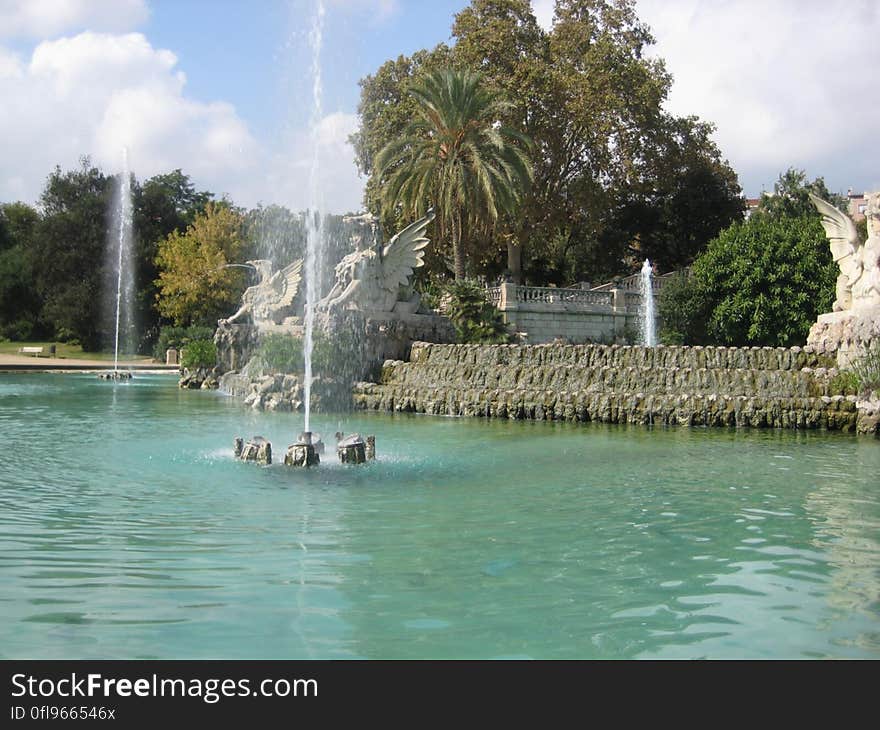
{"x": 544, "y": 314}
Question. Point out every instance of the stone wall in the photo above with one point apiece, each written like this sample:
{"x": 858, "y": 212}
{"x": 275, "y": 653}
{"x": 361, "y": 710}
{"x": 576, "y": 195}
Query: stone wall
{"x": 718, "y": 386}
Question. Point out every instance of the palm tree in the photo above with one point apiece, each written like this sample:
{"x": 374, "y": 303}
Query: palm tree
{"x": 457, "y": 157}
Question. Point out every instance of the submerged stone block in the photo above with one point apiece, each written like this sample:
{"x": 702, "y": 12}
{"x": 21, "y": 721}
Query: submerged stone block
{"x": 352, "y": 449}
{"x": 256, "y": 449}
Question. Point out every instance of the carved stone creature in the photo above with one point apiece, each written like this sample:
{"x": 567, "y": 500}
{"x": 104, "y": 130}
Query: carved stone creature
{"x": 858, "y": 286}
{"x": 369, "y": 278}
{"x": 272, "y": 294}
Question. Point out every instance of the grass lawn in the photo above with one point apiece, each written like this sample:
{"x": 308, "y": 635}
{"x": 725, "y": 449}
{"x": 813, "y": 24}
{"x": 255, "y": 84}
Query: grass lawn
{"x": 64, "y": 350}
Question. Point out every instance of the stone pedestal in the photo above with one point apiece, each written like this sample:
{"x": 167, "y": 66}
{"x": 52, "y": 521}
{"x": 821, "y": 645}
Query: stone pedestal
{"x": 847, "y": 334}
{"x": 303, "y": 453}
{"x": 352, "y": 449}
{"x": 256, "y": 449}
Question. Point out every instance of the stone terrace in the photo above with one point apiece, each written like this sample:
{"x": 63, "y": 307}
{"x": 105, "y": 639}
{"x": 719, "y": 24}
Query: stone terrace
{"x": 713, "y": 386}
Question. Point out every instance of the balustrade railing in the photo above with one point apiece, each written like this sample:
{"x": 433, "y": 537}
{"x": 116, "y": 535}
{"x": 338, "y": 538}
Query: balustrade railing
{"x": 553, "y": 295}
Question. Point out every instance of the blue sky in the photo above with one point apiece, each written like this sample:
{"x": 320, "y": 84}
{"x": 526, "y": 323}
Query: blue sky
{"x": 221, "y": 88}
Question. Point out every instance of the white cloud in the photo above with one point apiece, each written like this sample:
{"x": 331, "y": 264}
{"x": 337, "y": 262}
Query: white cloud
{"x": 543, "y": 10}
{"x": 788, "y": 83}
{"x": 97, "y": 93}
{"x": 49, "y": 18}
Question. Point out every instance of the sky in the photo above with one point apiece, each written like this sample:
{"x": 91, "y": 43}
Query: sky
{"x": 223, "y": 89}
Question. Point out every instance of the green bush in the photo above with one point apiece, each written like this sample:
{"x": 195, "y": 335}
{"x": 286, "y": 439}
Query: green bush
{"x": 683, "y": 310}
{"x": 179, "y": 338}
{"x": 199, "y": 354}
{"x": 760, "y": 282}
{"x": 845, "y": 382}
{"x": 474, "y": 317}
{"x": 281, "y": 353}
{"x": 866, "y": 370}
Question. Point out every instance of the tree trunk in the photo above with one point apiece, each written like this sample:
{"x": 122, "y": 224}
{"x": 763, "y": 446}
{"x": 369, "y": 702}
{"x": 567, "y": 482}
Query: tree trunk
{"x": 457, "y": 251}
{"x": 514, "y": 260}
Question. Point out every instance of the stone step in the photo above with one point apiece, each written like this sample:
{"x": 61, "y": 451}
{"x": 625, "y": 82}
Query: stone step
{"x": 789, "y": 383}
{"x": 745, "y": 358}
{"x": 836, "y": 413}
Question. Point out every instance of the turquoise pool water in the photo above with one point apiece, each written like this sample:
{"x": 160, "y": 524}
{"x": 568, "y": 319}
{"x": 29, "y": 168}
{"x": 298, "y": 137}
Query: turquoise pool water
{"x": 128, "y": 530}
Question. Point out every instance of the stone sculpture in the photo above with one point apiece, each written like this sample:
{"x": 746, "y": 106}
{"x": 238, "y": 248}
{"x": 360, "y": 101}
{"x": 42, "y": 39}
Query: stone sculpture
{"x": 854, "y": 326}
{"x": 858, "y": 286}
{"x": 272, "y": 294}
{"x": 369, "y": 278}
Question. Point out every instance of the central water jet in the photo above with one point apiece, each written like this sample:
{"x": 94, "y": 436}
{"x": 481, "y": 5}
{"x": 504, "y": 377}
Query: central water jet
{"x": 314, "y": 216}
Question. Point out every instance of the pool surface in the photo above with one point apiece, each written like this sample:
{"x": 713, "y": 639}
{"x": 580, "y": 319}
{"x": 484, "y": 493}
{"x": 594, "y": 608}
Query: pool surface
{"x": 129, "y": 531}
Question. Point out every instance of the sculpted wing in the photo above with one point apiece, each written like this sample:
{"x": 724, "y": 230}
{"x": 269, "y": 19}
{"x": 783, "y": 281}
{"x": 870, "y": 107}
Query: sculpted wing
{"x": 842, "y": 235}
{"x": 291, "y": 276}
{"x": 404, "y": 253}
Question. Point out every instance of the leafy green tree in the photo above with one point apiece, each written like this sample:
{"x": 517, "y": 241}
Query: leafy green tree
{"x": 790, "y": 196}
{"x": 684, "y": 311}
{"x": 456, "y": 157}
{"x": 68, "y": 244}
{"x": 195, "y": 287}
{"x": 20, "y": 304}
{"x": 767, "y": 279}
{"x": 591, "y": 97}
{"x": 762, "y": 281}
{"x": 162, "y": 204}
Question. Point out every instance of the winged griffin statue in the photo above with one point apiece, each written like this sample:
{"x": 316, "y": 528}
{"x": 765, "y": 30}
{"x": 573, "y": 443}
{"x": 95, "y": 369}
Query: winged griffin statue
{"x": 369, "y": 278}
{"x": 271, "y": 294}
{"x": 858, "y": 286}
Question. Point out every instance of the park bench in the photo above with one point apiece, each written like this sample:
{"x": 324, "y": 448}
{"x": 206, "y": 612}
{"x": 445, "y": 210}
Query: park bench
{"x": 35, "y": 351}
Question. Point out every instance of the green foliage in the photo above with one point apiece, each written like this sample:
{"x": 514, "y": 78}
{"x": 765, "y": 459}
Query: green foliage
{"x": 767, "y": 279}
{"x": 179, "y": 338}
{"x": 790, "y": 196}
{"x": 760, "y": 282}
{"x": 280, "y": 353}
{"x": 845, "y": 382}
{"x": 616, "y": 178}
{"x": 195, "y": 286}
{"x": 68, "y": 243}
{"x": 684, "y": 311}
{"x": 20, "y": 304}
{"x": 162, "y": 204}
{"x": 866, "y": 370}
{"x": 456, "y": 157}
{"x": 474, "y": 317}
{"x": 199, "y": 354}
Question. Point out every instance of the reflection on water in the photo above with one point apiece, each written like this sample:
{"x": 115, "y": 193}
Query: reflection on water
{"x": 129, "y": 531}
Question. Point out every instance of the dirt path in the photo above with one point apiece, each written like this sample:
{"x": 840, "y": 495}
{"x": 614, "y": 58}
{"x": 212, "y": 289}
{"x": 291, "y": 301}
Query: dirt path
{"x": 29, "y": 362}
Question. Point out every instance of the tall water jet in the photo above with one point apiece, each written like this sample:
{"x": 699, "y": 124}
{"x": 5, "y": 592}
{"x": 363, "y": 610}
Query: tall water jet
{"x": 314, "y": 216}
{"x": 120, "y": 261}
{"x": 648, "y": 323}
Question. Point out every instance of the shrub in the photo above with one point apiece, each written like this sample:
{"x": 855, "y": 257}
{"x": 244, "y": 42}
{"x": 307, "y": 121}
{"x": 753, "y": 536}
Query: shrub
{"x": 179, "y": 337}
{"x": 764, "y": 281}
{"x": 845, "y": 382}
{"x": 281, "y": 353}
{"x": 867, "y": 369}
{"x": 199, "y": 354}
{"x": 474, "y": 317}
{"x": 683, "y": 310}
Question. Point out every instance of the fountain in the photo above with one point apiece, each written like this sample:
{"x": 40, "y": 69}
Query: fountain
{"x": 120, "y": 252}
{"x": 314, "y": 219}
{"x": 648, "y": 323}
